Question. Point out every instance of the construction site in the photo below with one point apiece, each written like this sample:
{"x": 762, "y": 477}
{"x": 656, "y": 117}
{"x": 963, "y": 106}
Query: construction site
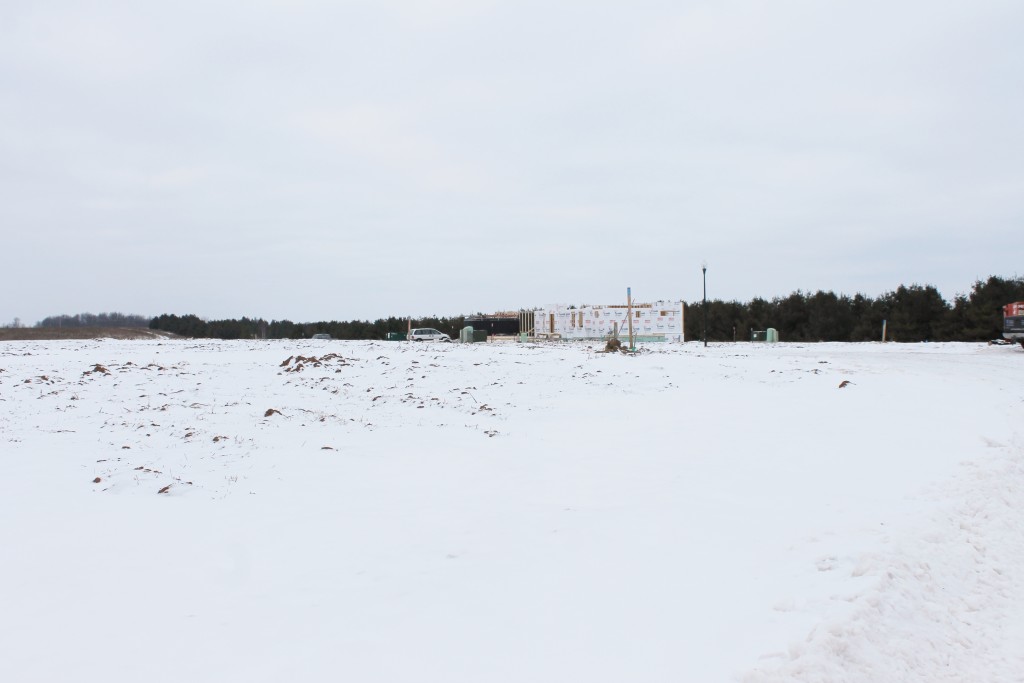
{"x": 660, "y": 321}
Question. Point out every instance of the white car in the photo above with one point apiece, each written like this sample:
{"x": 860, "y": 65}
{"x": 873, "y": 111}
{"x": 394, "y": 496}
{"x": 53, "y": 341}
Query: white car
{"x": 428, "y": 334}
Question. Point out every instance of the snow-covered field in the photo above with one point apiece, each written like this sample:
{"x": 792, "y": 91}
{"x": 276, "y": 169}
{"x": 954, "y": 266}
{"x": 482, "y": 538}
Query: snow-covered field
{"x": 226, "y": 511}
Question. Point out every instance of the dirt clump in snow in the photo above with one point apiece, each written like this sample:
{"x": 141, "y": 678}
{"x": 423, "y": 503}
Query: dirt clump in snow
{"x": 613, "y": 345}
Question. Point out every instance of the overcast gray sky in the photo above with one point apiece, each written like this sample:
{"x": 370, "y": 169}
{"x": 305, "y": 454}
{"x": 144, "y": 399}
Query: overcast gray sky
{"x": 335, "y": 160}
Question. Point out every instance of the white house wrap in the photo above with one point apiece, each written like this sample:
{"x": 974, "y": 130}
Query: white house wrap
{"x": 660, "y": 321}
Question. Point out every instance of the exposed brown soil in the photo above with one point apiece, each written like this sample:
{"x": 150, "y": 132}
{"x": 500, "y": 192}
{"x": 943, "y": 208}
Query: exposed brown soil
{"x": 45, "y": 333}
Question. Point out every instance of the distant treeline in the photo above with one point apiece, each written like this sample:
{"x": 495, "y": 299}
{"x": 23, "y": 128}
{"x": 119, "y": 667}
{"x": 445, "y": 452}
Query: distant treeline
{"x": 95, "y": 320}
{"x": 912, "y": 314}
{"x": 257, "y": 328}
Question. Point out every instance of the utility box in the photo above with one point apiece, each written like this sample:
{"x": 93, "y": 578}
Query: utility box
{"x": 466, "y": 335}
{"x": 772, "y": 335}
{"x": 478, "y": 335}
{"x": 758, "y": 335}
{"x": 395, "y": 336}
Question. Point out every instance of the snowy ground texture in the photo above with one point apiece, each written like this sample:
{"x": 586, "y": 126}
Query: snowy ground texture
{"x": 334, "y": 511}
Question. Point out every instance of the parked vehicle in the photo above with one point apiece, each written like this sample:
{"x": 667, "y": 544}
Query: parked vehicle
{"x": 1013, "y": 322}
{"x": 428, "y": 334}
{"x": 322, "y": 335}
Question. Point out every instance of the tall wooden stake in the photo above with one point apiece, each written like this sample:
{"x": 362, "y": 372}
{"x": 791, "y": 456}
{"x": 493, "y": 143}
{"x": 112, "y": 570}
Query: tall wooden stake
{"x": 682, "y": 320}
{"x": 629, "y": 309}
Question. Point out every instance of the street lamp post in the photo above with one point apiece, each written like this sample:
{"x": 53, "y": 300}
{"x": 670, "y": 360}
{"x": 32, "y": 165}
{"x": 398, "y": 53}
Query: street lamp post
{"x": 704, "y": 270}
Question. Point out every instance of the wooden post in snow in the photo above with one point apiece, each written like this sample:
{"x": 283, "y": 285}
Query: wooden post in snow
{"x": 682, "y": 320}
{"x": 629, "y": 314}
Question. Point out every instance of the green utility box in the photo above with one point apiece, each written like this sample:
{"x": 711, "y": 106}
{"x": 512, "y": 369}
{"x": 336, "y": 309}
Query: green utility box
{"x": 479, "y": 335}
{"x": 758, "y": 335}
{"x": 772, "y": 336}
{"x": 466, "y": 335}
{"x": 395, "y": 336}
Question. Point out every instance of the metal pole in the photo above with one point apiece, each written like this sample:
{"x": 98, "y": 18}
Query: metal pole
{"x": 704, "y": 270}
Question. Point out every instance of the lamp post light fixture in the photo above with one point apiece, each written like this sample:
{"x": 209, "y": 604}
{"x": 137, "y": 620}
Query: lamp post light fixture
{"x": 704, "y": 270}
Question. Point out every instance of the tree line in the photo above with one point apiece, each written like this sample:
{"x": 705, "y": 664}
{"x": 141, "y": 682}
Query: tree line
{"x": 257, "y": 328}
{"x": 911, "y": 314}
{"x": 95, "y": 320}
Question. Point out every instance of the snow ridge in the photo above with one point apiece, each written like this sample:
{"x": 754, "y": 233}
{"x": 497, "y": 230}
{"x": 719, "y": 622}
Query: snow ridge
{"x": 948, "y": 602}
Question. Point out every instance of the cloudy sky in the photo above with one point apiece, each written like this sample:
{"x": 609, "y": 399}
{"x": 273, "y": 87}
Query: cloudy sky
{"x": 337, "y": 159}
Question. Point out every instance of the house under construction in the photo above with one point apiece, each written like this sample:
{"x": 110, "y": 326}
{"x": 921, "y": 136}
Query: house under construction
{"x": 658, "y": 321}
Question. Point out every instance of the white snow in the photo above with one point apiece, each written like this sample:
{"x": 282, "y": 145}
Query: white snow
{"x": 506, "y": 512}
